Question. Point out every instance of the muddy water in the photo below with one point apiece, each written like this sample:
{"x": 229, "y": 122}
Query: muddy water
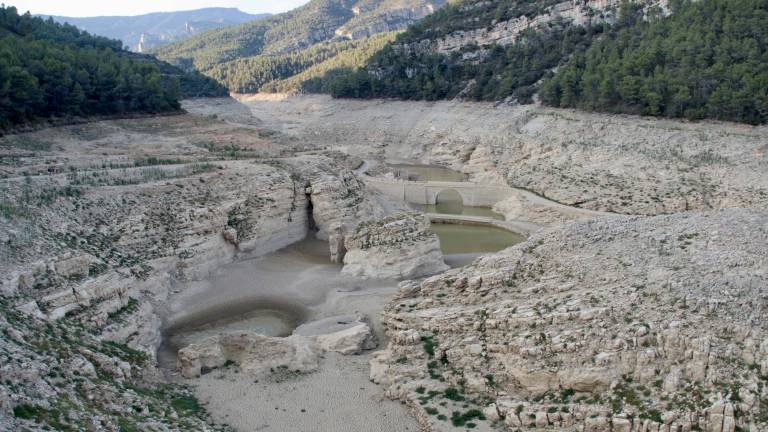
{"x": 417, "y": 172}
{"x": 460, "y": 243}
{"x": 467, "y": 239}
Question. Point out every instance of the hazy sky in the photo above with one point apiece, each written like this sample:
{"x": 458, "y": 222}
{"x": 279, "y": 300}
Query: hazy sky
{"x": 82, "y": 8}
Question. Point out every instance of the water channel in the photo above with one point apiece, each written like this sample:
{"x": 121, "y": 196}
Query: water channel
{"x": 460, "y": 242}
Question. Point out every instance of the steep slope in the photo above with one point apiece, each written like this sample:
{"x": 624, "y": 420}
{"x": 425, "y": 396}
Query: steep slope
{"x": 688, "y": 59}
{"x": 627, "y": 324}
{"x": 143, "y": 32}
{"x": 303, "y": 69}
{"x": 707, "y": 60}
{"x": 248, "y": 49}
{"x": 469, "y": 49}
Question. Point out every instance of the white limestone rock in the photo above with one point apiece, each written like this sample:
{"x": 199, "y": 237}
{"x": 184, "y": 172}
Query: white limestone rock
{"x": 254, "y": 353}
{"x": 398, "y": 246}
{"x": 345, "y": 334}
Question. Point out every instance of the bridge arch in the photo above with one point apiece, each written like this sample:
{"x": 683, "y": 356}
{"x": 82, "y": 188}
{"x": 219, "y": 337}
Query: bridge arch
{"x": 449, "y": 201}
{"x": 449, "y": 195}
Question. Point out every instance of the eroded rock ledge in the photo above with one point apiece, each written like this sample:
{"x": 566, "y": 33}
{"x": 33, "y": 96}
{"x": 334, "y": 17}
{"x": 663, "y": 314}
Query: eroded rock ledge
{"x": 257, "y": 354}
{"x": 398, "y": 246}
{"x": 640, "y": 324}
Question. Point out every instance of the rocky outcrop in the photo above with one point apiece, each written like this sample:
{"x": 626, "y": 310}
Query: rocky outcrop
{"x": 346, "y": 334}
{"x": 257, "y": 354}
{"x": 338, "y": 202}
{"x": 506, "y": 32}
{"x": 51, "y": 369}
{"x": 104, "y": 252}
{"x": 375, "y": 18}
{"x": 618, "y": 324}
{"x": 398, "y": 246}
{"x": 254, "y": 354}
{"x": 473, "y": 43}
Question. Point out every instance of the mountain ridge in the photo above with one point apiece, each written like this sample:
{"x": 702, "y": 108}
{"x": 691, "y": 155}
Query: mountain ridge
{"x": 317, "y": 22}
{"x": 143, "y": 32}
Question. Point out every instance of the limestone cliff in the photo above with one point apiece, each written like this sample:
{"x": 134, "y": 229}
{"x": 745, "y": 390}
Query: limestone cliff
{"x": 372, "y": 17}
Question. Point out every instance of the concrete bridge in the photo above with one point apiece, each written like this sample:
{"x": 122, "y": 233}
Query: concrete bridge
{"x": 472, "y": 194}
{"x": 432, "y": 192}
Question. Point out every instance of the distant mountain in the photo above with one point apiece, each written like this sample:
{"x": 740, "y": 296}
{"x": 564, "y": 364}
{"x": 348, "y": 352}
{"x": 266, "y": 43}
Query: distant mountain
{"x": 231, "y": 54}
{"x": 144, "y": 32}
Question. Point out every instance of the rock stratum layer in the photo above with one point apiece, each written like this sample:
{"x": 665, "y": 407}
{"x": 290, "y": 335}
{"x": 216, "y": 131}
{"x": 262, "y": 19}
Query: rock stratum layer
{"x": 639, "y": 324}
{"x": 399, "y": 246}
{"x": 622, "y": 164}
{"x": 95, "y": 242}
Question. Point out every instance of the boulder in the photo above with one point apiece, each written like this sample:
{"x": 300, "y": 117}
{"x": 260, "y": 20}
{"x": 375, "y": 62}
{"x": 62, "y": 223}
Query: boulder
{"x": 75, "y": 267}
{"x": 257, "y": 354}
{"x": 254, "y": 353}
{"x": 345, "y": 334}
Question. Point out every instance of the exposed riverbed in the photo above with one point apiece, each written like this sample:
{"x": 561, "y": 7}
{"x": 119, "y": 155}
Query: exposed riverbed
{"x": 271, "y": 295}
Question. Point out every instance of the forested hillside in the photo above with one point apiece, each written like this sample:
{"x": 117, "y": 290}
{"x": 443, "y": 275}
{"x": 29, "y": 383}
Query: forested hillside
{"x": 416, "y": 67}
{"x": 703, "y": 59}
{"x": 53, "y": 70}
{"x": 709, "y": 59}
{"x": 247, "y": 57}
{"x": 290, "y": 71}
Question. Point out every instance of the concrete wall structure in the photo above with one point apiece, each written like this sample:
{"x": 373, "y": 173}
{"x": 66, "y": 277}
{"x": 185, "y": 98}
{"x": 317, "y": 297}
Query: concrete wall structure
{"x": 472, "y": 194}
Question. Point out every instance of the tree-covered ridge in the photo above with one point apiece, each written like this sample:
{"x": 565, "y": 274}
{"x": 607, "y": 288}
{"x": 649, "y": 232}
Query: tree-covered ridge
{"x": 48, "y": 70}
{"x": 320, "y": 77}
{"x": 249, "y": 56}
{"x": 296, "y": 29}
{"x": 262, "y": 73}
{"x": 709, "y": 59}
{"x": 514, "y": 71}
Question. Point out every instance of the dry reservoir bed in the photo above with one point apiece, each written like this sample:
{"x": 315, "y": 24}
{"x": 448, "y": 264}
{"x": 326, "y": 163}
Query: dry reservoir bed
{"x": 272, "y": 295}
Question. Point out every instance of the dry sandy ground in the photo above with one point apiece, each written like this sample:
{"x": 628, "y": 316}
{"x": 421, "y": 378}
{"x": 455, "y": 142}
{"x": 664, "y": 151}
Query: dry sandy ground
{"x": 338, "y": 397}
